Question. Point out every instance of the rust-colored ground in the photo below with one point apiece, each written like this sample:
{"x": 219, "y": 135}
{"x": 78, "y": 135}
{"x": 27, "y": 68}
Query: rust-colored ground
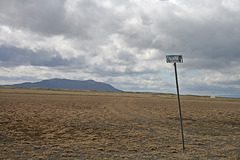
{"x": 64, "y": 124}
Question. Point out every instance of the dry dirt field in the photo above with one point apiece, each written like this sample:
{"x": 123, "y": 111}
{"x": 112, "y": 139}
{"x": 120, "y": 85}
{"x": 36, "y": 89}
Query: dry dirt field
{"x": 70, "y": 124}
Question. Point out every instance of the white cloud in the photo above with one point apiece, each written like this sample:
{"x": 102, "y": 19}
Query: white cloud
{"x": 123, "y": 42}
{"x": 233, "y": 5}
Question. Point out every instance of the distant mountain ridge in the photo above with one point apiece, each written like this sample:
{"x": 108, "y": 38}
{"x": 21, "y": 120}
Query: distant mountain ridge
{"x": 69, "y": 84}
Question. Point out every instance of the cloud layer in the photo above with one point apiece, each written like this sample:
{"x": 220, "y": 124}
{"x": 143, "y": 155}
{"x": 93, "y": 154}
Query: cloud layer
{"x": 123, "y": 43}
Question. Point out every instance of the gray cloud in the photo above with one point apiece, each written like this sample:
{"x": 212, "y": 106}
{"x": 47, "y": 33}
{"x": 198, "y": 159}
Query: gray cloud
{"x": 12, "y": 57}
{"x": 46, "y": 17}
{"x": 107, "y": 39}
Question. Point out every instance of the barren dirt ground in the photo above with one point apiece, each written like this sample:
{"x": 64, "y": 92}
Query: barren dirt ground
{"x": 48, "y": 124}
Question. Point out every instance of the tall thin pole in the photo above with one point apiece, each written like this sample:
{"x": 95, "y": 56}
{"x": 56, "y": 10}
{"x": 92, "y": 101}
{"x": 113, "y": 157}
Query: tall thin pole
{"x": 180, "y": 113}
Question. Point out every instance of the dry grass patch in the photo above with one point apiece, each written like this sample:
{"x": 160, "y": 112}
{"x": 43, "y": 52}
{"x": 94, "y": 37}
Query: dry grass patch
{"x": 65, "y": 124}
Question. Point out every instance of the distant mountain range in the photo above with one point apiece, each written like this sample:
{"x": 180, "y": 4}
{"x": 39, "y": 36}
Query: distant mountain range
{"x": 69, "y": 84}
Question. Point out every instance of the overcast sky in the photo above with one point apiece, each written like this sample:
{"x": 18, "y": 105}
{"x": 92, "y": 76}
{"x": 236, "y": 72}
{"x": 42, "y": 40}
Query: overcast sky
{"x": 123, "y": 43}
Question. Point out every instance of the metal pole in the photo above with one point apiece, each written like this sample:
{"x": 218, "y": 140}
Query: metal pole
{"x": 180, "y": 113}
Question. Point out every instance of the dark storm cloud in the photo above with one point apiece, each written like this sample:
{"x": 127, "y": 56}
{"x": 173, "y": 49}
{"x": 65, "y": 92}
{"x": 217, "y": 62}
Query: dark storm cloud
{"x": 12, "y": 56}
{"x": 213, "y": 43}
{"x": 46, "y": 17}
{"x": 84, "y": 19}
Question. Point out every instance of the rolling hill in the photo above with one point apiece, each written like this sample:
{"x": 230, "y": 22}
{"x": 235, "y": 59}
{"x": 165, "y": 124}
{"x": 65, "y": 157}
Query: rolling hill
{"x": 69, "y": 84}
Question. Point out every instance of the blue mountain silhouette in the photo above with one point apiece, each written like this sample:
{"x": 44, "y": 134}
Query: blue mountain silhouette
{"x": 69, "y": 84}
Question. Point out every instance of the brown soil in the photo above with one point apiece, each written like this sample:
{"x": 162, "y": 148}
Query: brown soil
{"x": 65, "y": 124}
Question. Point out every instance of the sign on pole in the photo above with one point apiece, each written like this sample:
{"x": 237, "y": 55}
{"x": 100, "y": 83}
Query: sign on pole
{"x": 177, "y": 59}
{"x": 174, "y": 58}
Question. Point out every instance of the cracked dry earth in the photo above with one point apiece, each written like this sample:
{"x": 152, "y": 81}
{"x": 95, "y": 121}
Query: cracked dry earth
{"x": 64, "y": 124}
